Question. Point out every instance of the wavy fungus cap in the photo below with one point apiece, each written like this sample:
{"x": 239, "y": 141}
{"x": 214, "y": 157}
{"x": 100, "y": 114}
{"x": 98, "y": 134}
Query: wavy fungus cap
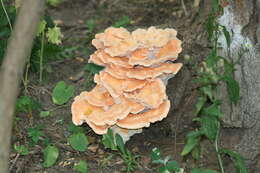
{"x": 131, "y": 90}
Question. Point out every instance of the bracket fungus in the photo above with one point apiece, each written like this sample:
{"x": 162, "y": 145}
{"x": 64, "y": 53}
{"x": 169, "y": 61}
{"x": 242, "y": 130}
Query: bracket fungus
{"x": 131, "y": 90}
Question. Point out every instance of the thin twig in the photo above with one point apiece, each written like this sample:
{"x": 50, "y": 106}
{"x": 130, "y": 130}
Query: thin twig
{"x": 6, "y": 14}
{"x": 217, "y": 150}
{"x": 14, "y": 162}
{"x": 184, "y": 8}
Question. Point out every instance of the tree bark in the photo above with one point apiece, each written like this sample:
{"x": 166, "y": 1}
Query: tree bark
{"x": 241, "y": 18}
{"x": 18, "y": 50}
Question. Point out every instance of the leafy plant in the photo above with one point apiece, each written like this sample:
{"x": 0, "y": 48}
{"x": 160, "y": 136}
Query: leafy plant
{"x": 35, "y": 133}
{"x": 50, "y": 154}
{"x": 54, "y": 3}
{"x": 109, "y": 141}
{"x": 122, "y": 22}
{"x": 21, "y": 149}
{"x": 216, "y": 69}
{"x": 81, "y": 167}
{"x": 168, "y": 165}
{"x": 93, "y": 68}
{"x": 62, "y": 93}
{"x": 78, "y": 141}
{"x": 91, "y": 24}
{"x": 26, "y": 104}
{"x": 129, "y": 159}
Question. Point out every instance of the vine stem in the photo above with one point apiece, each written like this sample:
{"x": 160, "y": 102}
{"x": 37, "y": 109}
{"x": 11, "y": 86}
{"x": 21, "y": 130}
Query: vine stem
{"x": 41, "y": 56}
{"x": 6, "y": 14}
{"x": 217, "y": 150}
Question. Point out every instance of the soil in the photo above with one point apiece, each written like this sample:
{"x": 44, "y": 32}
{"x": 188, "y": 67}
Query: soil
{"x": 167, "y": 135}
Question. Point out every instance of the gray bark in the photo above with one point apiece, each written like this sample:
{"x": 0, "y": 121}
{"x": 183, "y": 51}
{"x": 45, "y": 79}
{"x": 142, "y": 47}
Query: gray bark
{"x": 241, "y": 17}
{"x": 18, "y": 50}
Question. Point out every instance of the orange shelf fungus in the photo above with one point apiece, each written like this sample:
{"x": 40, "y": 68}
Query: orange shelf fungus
{"x": 131, "y": 90}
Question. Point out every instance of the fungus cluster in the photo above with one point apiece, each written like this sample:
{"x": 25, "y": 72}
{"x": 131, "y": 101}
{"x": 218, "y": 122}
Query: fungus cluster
{"x": 131, "y": 90}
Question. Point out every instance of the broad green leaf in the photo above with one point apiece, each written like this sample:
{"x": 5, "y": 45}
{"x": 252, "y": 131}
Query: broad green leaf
{"x": 199, "y": 105}
{"x": 120, "y": 144}
{"x": 108, "y": 140}
{"x": 54, "y": 35}
{"x": 75, "y": 129}
{"x": 238, "y": 161}
{"x": 50, "y": 155}
{"x": 227, "y": 35}
{"x": 62, "y": 93}
{"x": 91, "y": 24}
{"x": 213, "y": 110}
{"x": 21, "y": 149}
{"x": 173, "y": 166}
{"x": 122, "y": 22}
{"x": 78, "y": 141}
{"x": 93, "y": 68}
{"x": 209, "y": 126}
{"x": 197, "y": 170}
{"x": 193, "y": 139}
{"x": 81, "y": 167}
{"x": 163, "y": 169}
{"x": 45, "y": 114}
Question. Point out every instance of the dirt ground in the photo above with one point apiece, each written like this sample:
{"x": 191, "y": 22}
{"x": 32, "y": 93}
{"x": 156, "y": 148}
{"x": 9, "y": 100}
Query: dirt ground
{"x": 168, "y": 135}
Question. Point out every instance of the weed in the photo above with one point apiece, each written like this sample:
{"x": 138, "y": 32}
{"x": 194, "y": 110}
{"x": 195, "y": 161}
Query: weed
{"x": 62, "y": 93}
{"x": 21, "y": 149}
{"x": 78, "y": 140}
{"x": 208, "y": 105}
{"x": 81, "y": 167}
{"x": 50, "y": 155}
{"x": 168, "y": 164}
{"x": 116, "y": 143}
{"x": 35, "y": 134}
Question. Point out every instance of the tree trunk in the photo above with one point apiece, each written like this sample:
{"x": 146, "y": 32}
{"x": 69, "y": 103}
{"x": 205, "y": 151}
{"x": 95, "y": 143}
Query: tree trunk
{"x": 18, "y": 50}
{"x": 241, "y": 17}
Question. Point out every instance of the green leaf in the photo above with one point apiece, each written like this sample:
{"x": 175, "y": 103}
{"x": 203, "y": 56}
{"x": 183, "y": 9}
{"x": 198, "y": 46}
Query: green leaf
{"x": 227, "y": 35}
{"x": 109, "y": 141}
{"x": 93, "y": 68}
{"x": 122, "y": 22}
{"x": 81, "y": 167}
{"x": 41, "y": 27}
{"x": 54, "y": 35}
{"x": 156, "y": 154}
{"x": 215, "y": 5}
{"x": 27, "y": 104}
{"x": 213, "y": 110}
{"x": 193, "y": 139}
{"x": 91, "y": 24}
{"x": 233, "y": 89}
{"x": 75, "y": 129}
{"x": 173, "y": 166}
{"x": 197, "y": 170}
{"x": 21, "y": 149}
{"x": 212, "y": 58}
{"x": 210, "y": 26}
{"x": 50, "y": 155}
{"x": 237, "y": 159}
{"x": 45, "y": 114}
{"x": 78, "y": 141}
{"x": 207, "y": 90}
{"x": 196, "y": 153}
{"x": 199, "y": 105}
{"x": 62, "y": 93}
{"x": 209, "y": 126}
{"x": 120, "y": 144}
{"x": 54, "y": 3}
{"x": 35, "y": 133}
{"x": 163, "y": 169}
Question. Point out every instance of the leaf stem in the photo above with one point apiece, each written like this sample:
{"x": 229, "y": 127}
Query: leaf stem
{"x": 41, "y": 56}
{"x": 217, "y": 150}
{"x": 6, "y": 14}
